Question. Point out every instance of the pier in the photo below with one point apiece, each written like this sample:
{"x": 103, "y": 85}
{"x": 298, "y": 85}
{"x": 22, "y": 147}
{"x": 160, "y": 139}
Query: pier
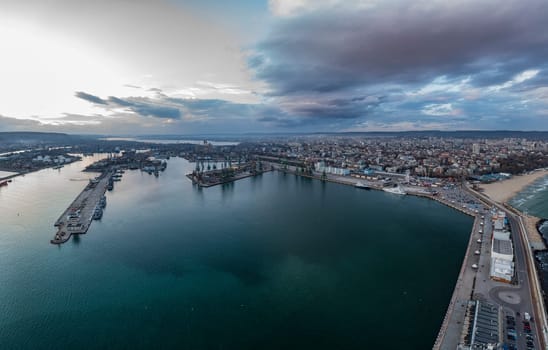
{"x": 76, "y": 219}
{"x": 221, "y": 176}
{"x": 452, "y": 326}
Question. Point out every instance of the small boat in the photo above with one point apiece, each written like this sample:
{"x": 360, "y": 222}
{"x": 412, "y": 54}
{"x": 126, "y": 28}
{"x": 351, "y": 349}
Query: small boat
{"x": 395, "y": 190}
{"x": 3, "y": 183}
{"x": 98, "y": 213}
{"x": 360, "y": 184}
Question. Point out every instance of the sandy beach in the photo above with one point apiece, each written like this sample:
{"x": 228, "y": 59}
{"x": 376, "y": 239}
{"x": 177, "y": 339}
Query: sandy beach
{"x": 502, "y": 191}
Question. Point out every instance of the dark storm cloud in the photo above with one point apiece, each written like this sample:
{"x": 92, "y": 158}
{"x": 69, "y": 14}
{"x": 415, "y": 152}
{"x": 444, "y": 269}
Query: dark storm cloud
{"x": 335, "y": 108}
{"x": 156, "y": 111}
{"x": 119, "y": 102}
{"x": 405, "y": 42}
{"x": 142, "y": 106}
{"x": 162, "y": 106}
{"x": 147, "y": 107}
{"x": 90, "y": 98}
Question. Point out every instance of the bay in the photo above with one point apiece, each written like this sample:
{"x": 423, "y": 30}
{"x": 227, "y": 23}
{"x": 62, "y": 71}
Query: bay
{"x": 271, "y": 262}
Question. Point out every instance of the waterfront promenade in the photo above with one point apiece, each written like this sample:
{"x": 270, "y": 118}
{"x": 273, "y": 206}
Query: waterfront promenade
{"x": 77, "y": 218}
{"x": 452, "y": 325}
{"x": 528, "y": 283}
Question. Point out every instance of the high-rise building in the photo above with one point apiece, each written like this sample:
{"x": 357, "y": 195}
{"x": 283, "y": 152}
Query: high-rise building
{"x": 476, "y": 148}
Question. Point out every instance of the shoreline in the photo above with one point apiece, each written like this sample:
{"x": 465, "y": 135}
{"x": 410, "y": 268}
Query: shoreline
{"x": 23, "y": 173}
{"x": 505, "y": 190}
{"x": 410, "y": 191}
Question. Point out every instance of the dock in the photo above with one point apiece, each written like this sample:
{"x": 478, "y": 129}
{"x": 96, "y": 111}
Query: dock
{"x": 222, "y": 176}
{"x": 76, "y": 219}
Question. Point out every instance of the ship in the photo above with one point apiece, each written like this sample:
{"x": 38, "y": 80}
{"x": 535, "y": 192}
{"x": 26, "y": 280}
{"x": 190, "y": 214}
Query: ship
{"x": 103, "y": 202}
{"x": 98, "y": 213}
{"x": 395, "y": 190}
{"x": 360, "y": 184}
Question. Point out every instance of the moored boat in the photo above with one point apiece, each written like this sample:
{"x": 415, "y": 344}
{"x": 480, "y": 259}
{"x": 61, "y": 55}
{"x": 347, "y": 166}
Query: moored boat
{"x": 360, "y": 184}
{"x": 98, "y": 213}
{"x": 395, "y": 190}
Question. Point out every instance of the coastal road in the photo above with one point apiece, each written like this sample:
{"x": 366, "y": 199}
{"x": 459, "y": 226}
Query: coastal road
{"x": 523, "y": 297}
{"x": 518, "y": 299}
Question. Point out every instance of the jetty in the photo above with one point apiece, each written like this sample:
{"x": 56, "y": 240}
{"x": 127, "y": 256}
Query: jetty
{"x": 221, "y": 176}
{"x": 77, "y": 218}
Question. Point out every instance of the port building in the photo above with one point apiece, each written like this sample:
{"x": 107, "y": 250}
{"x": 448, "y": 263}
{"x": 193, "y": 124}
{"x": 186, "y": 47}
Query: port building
{"x": 502, "y": 250}
{"x": 499, "y": 220}
{"x": 321, "y": 167}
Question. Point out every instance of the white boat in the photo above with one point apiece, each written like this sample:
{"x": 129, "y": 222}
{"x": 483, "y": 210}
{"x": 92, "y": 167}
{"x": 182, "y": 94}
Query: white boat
{"x": 360, "y": 184}
{"x": 395, "y": 190}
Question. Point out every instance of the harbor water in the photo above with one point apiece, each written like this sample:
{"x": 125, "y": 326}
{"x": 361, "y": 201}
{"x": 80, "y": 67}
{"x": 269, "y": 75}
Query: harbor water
{"x": 271, "y": 262}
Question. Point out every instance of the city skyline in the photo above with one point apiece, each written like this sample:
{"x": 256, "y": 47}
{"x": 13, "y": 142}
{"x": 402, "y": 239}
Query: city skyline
{"x": 184, "y": 67}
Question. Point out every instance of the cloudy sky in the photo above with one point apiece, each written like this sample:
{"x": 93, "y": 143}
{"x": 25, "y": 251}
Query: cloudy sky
{"x": 205, "y": 66}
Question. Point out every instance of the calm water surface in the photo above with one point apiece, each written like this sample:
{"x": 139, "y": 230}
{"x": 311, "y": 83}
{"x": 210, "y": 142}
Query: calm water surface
{"x": 270, "y": 262}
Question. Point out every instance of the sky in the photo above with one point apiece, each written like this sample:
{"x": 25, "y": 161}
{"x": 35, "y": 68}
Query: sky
{"x": 123, "y": 67}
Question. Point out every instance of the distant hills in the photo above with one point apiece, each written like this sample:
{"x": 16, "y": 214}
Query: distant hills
{"x": 53, "y": 137}
{"x": 28, "y": 137}
{"x": 535, "y": 135}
